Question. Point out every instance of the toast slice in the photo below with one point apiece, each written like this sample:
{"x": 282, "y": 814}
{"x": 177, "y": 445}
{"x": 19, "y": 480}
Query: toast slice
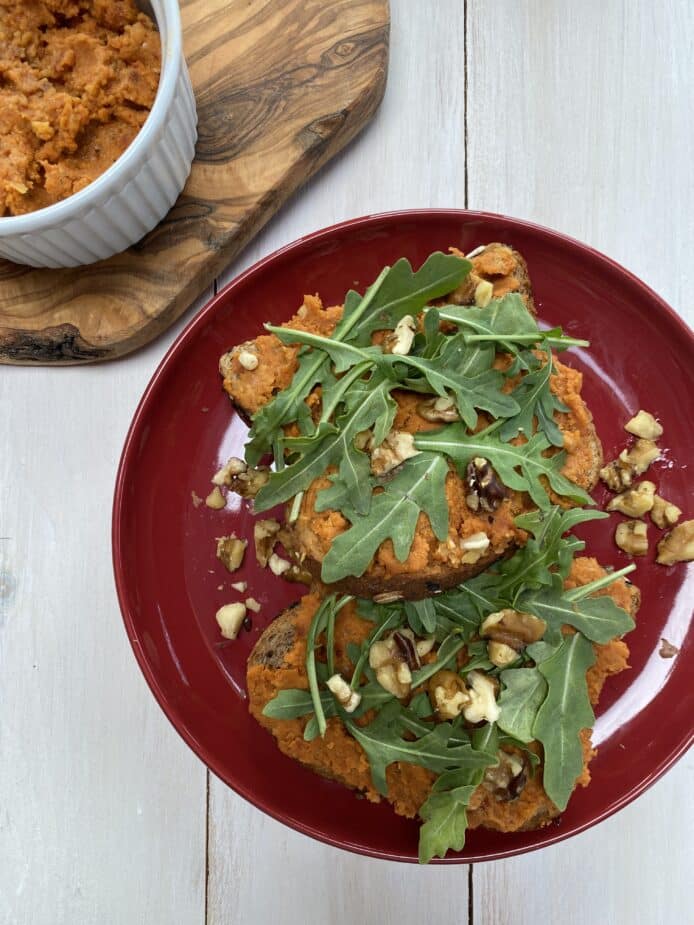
{"x": 432, "y": 564}
{"x": 278, "y": 662}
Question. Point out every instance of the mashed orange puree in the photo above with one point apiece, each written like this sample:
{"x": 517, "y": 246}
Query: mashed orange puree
{"x": 77, "y": 80}
{"x": 339, "y": 756}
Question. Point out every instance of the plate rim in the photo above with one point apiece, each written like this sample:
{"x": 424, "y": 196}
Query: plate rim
{"x": 199, "y": 320}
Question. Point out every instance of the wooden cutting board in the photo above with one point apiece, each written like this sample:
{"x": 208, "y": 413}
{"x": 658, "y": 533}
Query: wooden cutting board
{"x": 281, "y": 86}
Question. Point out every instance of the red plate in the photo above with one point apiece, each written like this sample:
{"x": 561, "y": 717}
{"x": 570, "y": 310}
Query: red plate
{"x": 163, "y": 545}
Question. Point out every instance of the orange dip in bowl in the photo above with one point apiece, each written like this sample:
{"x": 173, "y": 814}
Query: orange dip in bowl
{"x": 77, "y": 81}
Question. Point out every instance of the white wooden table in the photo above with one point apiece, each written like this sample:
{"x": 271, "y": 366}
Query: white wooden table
{"x": 575, "y": 115}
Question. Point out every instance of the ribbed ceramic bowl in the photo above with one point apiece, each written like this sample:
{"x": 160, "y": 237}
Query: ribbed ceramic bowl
{"x": 136, "y": 192}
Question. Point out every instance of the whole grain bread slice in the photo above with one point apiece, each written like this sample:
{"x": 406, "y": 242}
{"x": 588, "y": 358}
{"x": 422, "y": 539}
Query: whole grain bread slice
{"x": 431, "y": 564}
{"x": 277, "y": 662}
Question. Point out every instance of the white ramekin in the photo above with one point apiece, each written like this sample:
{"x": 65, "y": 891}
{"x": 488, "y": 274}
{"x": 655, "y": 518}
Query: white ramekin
{"x": 136, "y": 192}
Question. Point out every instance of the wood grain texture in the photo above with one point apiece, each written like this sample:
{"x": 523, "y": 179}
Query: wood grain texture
{"x": 281, "y": 86}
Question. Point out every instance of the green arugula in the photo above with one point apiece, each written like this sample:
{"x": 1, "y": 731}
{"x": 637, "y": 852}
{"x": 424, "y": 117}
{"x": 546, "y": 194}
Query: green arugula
{"x": 382, "y": 741}
{"x": 483, "y": 390}
{"x": 312, "y": 370}
{"x": 519, "y": 467}
{"x": 445, "y": 810}
{"x": 403, "y": 292}
{"x": 597, "y": 618}
{"x": 522, "y": 696}
{"x": 398, "y": 291}
{"x": 324, "y": 615}
{"x": 418, "y": 485}
{"x": 507, "y": 323}
{"x": 565, "y": 711}
{"x": 536, "y": 401}
{"x": 328, "y": 446}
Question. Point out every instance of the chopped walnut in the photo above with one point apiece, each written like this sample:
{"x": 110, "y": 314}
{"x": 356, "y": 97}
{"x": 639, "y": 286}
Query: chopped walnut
{"x": 474, "y": 547}
{"x": 395, "y": 449}
{"x": 241, "y": 479}
{"x": 513, "y": 627}
{"x": 634, "y": 502}
{"x": 448, "y": 694}
{"x": 400, "y": 341}
{"x": 644, "y": 425}
{"x": 667, "y": 649}
{"x": 664, "y": 513}
{"x": 216, "y": 499}
{"x": 438, "y": 409}
{"x": 298, "y": 574}
{"x": 278, "y": 565}
{"x": 677, "y": 545}
{"x": 395, "y": 657}
{"x": 483, "y": 293}
{"x": 632, "y": 537}
{"x": 483, "y": 706}
{"x": 640, "y": 456}
{"x": 232, "y": 467}
{"x": 230, "y": 619}
{"x": 248, "y": 359}
{"x": 348, "y": 699}
{"x": 506, "y": 780}
{"x": 485, "y": 491}
{"x": 230, "y": 551}
{"x": 619, "y": 474}
{"x": 264, "y": 538}
{"x": 501, "y": 654}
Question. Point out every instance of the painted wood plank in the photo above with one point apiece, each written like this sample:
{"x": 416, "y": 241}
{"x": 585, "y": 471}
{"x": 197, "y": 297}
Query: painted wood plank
{"x": 412, "y": 155}
{"x": 579, "y": 117}
{"x": 102, "y": 806}
{"x": 634, "y": 867}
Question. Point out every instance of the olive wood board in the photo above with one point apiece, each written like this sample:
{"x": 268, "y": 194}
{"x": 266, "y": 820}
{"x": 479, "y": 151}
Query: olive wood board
{"x": 281, "y": 86}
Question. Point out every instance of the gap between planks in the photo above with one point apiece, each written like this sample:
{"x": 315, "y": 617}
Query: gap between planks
{"x": 215, "y": 289}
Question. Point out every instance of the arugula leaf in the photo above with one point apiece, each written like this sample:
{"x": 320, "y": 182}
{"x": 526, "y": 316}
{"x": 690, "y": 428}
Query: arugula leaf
{"x": 326, "y": 447}
{"x": 447, "y": 651}
{"x": 418, "y": 485}
{"x": 454, "y": 606}
{"x": 314, "y": 367}
{"x": 285, "y": 407}
{"x": 318, "y": 624}
{"x": 404, "y": 292}
{"x": 470, "y": 392}
{"x": 291, "y": 704}
{"x": 536, "y": 400}
{"x": 343, "y": 355}
{"x": 506, "y": 322}
{"x": 445, "y": 810}
{"x": 421, "y": 616}
{"x": 518, "y": 467}
{"x": 597, "y": 618}
{"x": 445, "y": 821}
{"x": 382, "y": 741}
{"x": 547, "y": 549}
{"x": 524, "y": 692}
{"x": 566, "y": 710}
{"x": 478, "y": 657}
